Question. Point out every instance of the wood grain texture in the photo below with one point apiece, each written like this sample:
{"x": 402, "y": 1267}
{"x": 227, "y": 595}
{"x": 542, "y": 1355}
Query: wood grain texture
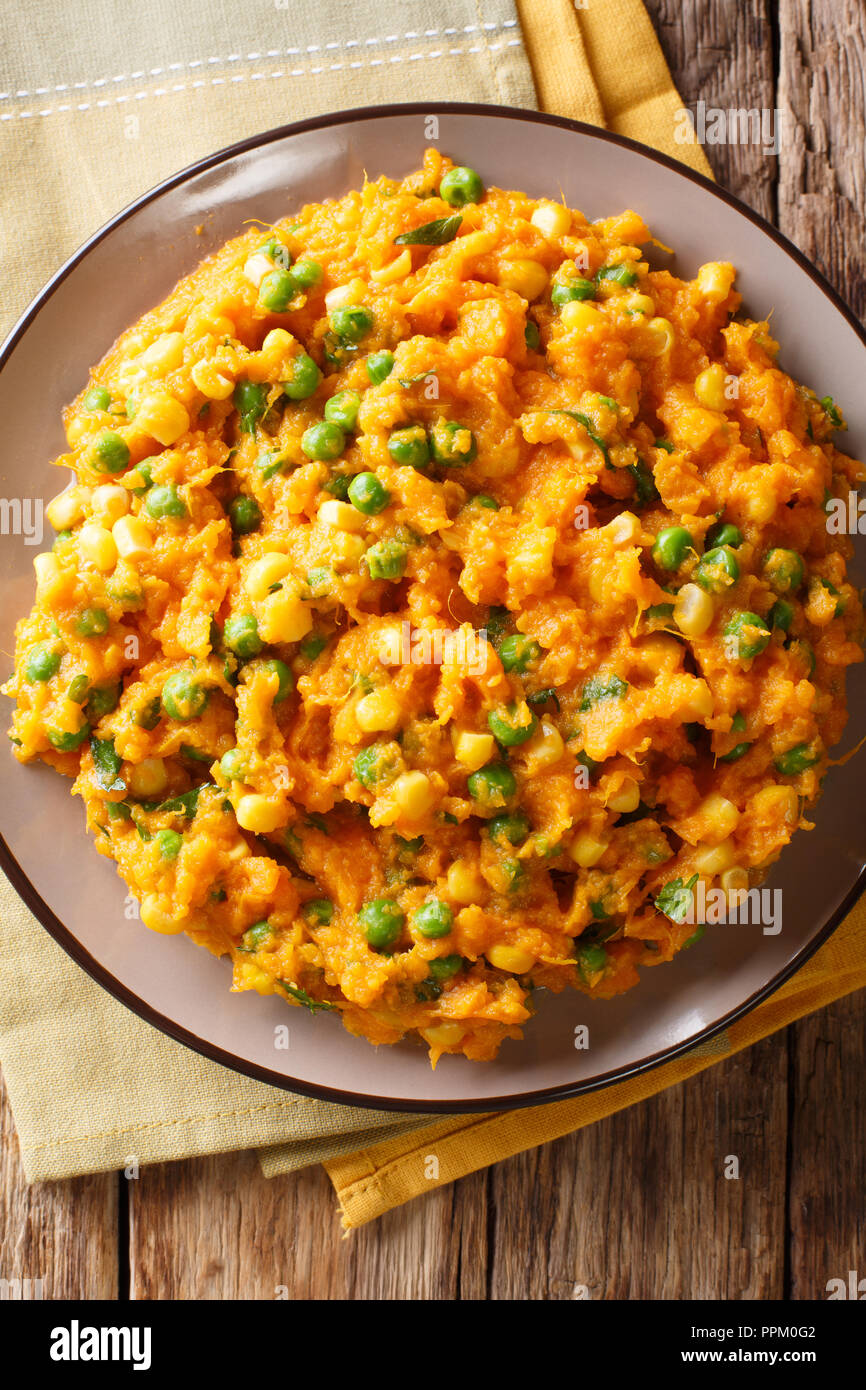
{"x": 62, "y": 1233}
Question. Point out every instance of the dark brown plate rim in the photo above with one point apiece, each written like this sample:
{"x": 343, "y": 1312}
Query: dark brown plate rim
{"x": 73, "y": 946}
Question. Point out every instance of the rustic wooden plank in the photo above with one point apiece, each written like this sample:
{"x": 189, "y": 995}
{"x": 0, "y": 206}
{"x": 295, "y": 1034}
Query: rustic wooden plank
{"x": 63, "y": 1233}
{"x": 639, "y": 1206}
{"x": 822, "y": 178}
{"x": 721, "y": 52}
{"x": 828, "y": 1147}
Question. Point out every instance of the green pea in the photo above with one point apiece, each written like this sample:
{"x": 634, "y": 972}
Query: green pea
{"x": 386, "y": 560}
{"x": 483, "y": 499}
{"x": 78, "y": 688}
{"x": 285, "y": 679}
{"x": 255, "y": 936}
{"x": 512, "y": 828}
{"x": 781, "y": 614}
{"x": 375, "y": 765}
{"x": 717, "y": 569}
{"x": 42, "y": 663}
{"x": 621, "y": 274}
{"x": 241, "y": 636}
{"x": 409, "y": 846}
{"x": 783, "y": 570}
{"x": 724, "y": 533}
{"x": 507, "y": 729}
{"x": 739, "y": 751}
{"x": 671, "y": 547}
{"x": 382, "y": 921}
{"x": 276, "y": 291}
{"x": 306, "y": 274}
{"x": 319, "y": 911}
{"x": 590, "y": 959}
{"x": 819, "y": 582}
{"x": 250, "y": 399}
{"x": 796, "y": 760}
{"x": 368, "y": 494}
{"x": 410, "y": 446}
{"x": 532, "y": 335}
{"x": 183, "y": 698}
{"x": 444, "y": 967}
{"x": 314, "y": 644}
{"x": 746, "y": 634}
{"x": 109, "y": 453}
{"x": 101, "y": 700}
{"x": 65, "y": 742}
{"x": 380, "y": 365}
{"x": 460, "y": 186}
{"x": 342, "y": 410}
{"x": 434, "y": 918}
{"x": 165, "y": 501}
{"x": 805, "y": 653}
{"x": 276, "y": 251}
{"x": 147, "y": 716}
{"x": 352, "y": 322}
{"x": 92, "y": 622}
{"x": 452, "y": 444}
{"x": 169, "y": 843}
{"x": 324, "y": 442}
{"x": 566, "y": 291}
{"x": 319, "y": 580}
{"x": 517, "y": 652}
{"x": 492, "y": 785}
{"x": 97, "y": 398}
{"x": 304, "y": 379}
{"x": 62, "y": 538}
{"x": 245, "y": 514}
{"x": 145, "y": 471}
{"x": 233, "y": 765}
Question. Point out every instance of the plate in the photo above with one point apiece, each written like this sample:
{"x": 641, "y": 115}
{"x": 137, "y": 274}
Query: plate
{"x": 573, "y": 1044}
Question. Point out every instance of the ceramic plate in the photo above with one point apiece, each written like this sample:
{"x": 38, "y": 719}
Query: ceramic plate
{"x": 126, "y": 269}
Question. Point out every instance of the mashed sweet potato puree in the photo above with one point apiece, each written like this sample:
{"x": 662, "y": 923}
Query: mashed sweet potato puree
{"x": 442, "y": 595}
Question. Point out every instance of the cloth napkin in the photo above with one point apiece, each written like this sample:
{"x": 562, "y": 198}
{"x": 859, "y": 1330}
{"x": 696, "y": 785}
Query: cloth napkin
{"x": 91, "y": 114}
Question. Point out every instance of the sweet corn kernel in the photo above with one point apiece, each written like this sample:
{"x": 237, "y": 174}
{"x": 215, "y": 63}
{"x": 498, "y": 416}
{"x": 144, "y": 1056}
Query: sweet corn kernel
{"x": 259, "y": 814}
{"x": 277, "y": 343}
{"x": 525, "y": 277}
{"x": 580, "y": 316}
{"x": 735, "y": 879}
{"x": 715, "y": 280}
{"x": 377, "y": 712}
{"x": 776, "y": 801}
{"x": 586, "y": 849}
{"x": 153, "y": 916}
{"x": 626, "y": 798}
{"x": 67, "y": 507}
{"x": 694, "y": 610}
{"x": 132, "y": 538}
{"x": 284, "y": 618}
{"x": 710, "y": 387}
{"x": 342, "y": 515}
{"x": 545, "y": 747}
{"x": 472, "y": 750}
{"x": 162, "y": 417}
{"x": 97, "y": 545}
{"x": 551, "y": 219}
{"x": 714, "y": 859}
{"x": 148, "y": 778}
{"x": 623, "y": 530}
{"x": 76, "y": 430}
{"x": 444, "y": 1035}
{"x": 395, "y": 270}
{"x": 639, "y": 304}
{"x": 251, "y": 976}
{"x": 413, "y": 795}
{"x": 110, "y": 502}
{"x": 348, "y": 548}
{"x": 257, "y": 267}
{"x": 510, "y": 958}
{"x": 47, "y": 569}
{"x": 661, "y": 336}
{"x": 216, "y": 385}
{"x": 263, "y": 573}
{"x": 464, "y": 882}
{"x": 722, "y": 816}
{"x": 341, "y": 295}
{"x": 165, "y": 354}
{"x": 699, "y": 704}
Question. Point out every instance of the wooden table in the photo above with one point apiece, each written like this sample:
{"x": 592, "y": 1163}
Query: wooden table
{"x": 637, "y": 1206}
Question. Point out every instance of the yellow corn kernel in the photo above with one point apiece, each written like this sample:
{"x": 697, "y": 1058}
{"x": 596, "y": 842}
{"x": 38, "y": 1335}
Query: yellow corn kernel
{"x": 348, "y": 548}
{"x": 153, "y": 916}
{"x": 162, "y": 417}
{"x": 284, "y": 618}
{"x": 96, "y": 544}
{"x": 526, "y": 278}
{"x": 464, "y": 882}
{"x": 263, "y": 573}
{"x": 580, "y": 316}
{"x": 248, "y": 975}
{"x": 694, "y": 610}
{"x": 277, "y": 343}
{"x": 165, "y": 354}
{"x": 721, "y": 814}
{"x": 475, "y": 243}
{"x": 639, "y": 304}
{"x": 444, "y": 1035}
{"x": 623, "y": 530}
{"x": 110, "y": 502}
{"x": 715, "y": 280}
{"x": 710, "y": 387}
{"x": 395, "y": 270}
{"x": 551, "y": 219}
{"x": 148, "y": 778}
{"x": 510, "y": 958}
{"x": 47, "y": 569}
{"x": 472, "y": 750}
{"x": 377, "y": 712}
{"x": 699, "y": 705}
{"x": 626, "y": 798}
{"x": 260, "y": 814}
{"x": 341, "y": 295}
{"x": 217, "y": 385}
{"x": 714, "y": 859}
{"x": 735, "y": 879}
{"x": 67, "y": 507}
{"x": 413, "y": 795}
{"x": 76, "y": 430}
{"x": 341, "y": 515}
{"x": 586, "y": 849}
{"x": 257, "y": 267}
{"x": 776, "y": 801}
{"x": 132, "y": 538}
{"x": 661, "y": 336}
{"x": 545, "y": 747}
